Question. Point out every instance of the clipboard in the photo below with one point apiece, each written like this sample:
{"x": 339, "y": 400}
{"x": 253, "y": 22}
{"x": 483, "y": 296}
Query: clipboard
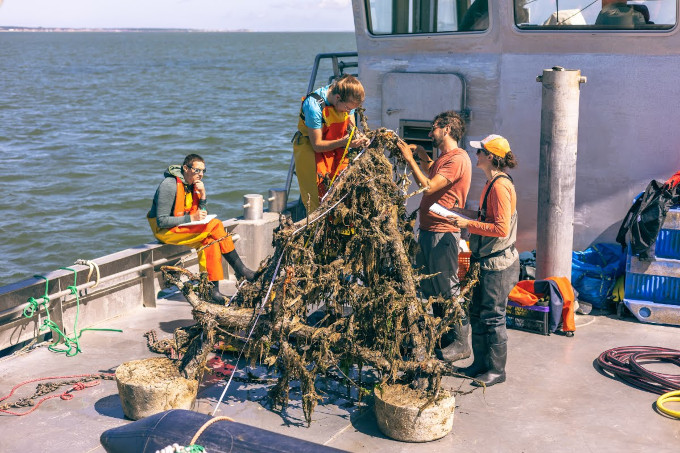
{"x": 207, "y": 219}
{"x": 442, "y": 211}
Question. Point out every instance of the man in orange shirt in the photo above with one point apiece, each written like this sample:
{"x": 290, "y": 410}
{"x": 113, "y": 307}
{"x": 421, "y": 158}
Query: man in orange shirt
{"x": 448, "y": 183}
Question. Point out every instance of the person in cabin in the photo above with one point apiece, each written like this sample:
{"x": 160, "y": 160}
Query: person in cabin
{"x": 619, "y": 14}
{"x": 447, "y": 182}
{"x": 324, "y": 131}
{"x": 492, "y": 243}
{"x": 180, "y": 199}
{"x": 476, "y": 17}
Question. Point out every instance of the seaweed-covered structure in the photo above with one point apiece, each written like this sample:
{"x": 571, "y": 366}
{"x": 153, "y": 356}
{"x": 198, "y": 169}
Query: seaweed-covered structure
{"x": 339, "y": 291}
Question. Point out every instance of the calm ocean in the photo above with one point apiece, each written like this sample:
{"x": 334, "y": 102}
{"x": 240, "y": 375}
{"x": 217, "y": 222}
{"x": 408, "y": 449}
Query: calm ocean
{"x": 89, "y": 121}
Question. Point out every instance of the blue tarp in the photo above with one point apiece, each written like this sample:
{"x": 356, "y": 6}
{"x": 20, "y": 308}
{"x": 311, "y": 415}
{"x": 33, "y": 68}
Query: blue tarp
{"x": 594, "y": 272}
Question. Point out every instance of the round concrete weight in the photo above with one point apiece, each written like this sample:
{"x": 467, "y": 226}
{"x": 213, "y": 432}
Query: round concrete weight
{"x": 396, "y": 409}
{"x": 150, "y": 386}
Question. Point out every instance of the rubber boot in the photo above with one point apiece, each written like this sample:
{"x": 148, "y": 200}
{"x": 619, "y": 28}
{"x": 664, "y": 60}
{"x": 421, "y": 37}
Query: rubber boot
{"x": 240, "y": 269}
{"x": 458, "y": 347}
{"x": 498, "y": 355}
{"x": 479, "y": 364}
{"x": 216, "y": 295}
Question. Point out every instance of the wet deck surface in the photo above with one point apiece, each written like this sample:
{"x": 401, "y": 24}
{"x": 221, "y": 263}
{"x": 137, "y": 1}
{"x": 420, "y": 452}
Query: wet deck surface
{"x": 554, "y": 399}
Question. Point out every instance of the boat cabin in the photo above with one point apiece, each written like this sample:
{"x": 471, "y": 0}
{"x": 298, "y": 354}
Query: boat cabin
{"x": 417, "y": 58}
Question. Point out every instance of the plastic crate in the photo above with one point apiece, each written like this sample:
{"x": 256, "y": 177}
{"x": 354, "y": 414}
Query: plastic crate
{"x": 658, "y": 289}
{"x": 668, "y": 244}
{"x": 463, "y": 264}
{"x": 532, "y": 318}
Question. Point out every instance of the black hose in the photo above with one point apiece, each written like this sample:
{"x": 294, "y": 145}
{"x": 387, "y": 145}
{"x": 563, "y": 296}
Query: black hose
{"x": 624, "y": 363}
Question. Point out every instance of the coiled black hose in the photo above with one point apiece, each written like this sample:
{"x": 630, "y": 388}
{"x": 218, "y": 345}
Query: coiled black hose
{"x": 624, "y": 362}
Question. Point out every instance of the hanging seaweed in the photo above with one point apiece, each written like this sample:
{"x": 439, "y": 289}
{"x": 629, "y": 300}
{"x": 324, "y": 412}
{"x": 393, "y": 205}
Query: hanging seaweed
{"x": 349, "y": 263}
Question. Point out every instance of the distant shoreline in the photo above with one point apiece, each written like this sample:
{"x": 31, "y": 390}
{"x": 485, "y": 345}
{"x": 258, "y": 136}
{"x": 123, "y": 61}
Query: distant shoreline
{"x": 147, "y": 30}
{"x": 116, "y": 30}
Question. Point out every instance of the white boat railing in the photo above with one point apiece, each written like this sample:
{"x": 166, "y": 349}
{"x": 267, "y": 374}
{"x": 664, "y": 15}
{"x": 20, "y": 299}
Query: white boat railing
{"x": 129, "y": 279}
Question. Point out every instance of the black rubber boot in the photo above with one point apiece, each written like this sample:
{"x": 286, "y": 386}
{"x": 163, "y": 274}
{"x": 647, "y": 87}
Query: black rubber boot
{"x": 479, "y": 364}
{"x": 498, "y": 355}
{"x": 455, "y": 345}
{"x": 240, "y": 269}
{"x": 217, "y": 296}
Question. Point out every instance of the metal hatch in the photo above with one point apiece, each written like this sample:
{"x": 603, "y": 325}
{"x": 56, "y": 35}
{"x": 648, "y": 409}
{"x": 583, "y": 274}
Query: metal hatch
{"x": 415, "y": 97}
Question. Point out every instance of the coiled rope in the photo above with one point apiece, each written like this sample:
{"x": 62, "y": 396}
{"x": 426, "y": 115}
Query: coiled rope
{"x": 72, "y": 343}
{"x": 625, "y": 363}
{"x": 93, "y": 267}
{"x": 88, "y": 380}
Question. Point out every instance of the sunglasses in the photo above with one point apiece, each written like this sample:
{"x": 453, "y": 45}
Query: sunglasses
{"x": 198, "y": 171}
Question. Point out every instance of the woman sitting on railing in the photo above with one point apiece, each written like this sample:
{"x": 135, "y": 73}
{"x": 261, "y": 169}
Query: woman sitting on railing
{"x": 178, "y": 216}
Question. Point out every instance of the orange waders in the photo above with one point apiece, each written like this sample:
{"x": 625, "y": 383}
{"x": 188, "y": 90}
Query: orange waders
{"x": 195, "y": 236}
{"x": 311, "y": 167}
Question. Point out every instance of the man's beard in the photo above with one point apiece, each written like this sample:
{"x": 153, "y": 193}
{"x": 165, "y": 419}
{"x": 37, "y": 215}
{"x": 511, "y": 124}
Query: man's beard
{"x": 436, "y": 142}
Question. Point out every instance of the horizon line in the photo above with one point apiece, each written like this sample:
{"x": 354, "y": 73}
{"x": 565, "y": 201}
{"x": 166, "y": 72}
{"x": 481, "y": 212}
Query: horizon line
{"x": 178, "y": 29}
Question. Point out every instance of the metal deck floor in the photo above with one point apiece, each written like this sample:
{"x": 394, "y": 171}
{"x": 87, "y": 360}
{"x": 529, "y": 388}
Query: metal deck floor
{"x": 554, "y": 399}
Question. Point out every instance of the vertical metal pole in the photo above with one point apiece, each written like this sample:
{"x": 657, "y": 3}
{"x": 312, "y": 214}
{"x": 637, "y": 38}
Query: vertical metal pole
{"x": 148, "y": 280}
{"x": 557, "y": 171}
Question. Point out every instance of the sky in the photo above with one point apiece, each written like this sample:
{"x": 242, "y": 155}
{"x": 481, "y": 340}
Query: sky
{"x": 255, "y": 15}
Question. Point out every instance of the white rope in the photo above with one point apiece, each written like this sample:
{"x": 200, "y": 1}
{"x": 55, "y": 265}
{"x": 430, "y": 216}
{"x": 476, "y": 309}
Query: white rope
{"x": 250, "y": 334}
{"x": 266, "y": 299}
{"x": 321, "y": 216}
{"x": 353, "y": 160}
{"x": 263, "y": 304}
{"x": 421, "y": 190}
{"x": 236, "y": 293}
{"x": 93, "y": 267}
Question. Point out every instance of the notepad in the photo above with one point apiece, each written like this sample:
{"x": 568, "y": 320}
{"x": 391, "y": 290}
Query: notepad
{"x": 207, "y": 219}
{"x": 442, "y": 211}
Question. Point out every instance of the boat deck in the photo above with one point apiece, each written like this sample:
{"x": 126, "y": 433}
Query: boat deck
{"x": 555, "y": 397}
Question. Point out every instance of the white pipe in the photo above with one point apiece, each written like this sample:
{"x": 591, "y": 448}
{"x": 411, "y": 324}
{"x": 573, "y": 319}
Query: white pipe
{"x": 557, "y": 171}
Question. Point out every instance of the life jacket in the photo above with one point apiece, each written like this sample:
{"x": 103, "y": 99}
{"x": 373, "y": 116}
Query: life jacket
{"x": 561, "y": 294}
{"x": 334, "y": 126}
{"x": 185, "y": 203}
{"x": 486, "y": 247}
{"x": 302, "y": 127}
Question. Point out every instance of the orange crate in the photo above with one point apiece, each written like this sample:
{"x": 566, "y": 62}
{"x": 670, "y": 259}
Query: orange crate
{"x": 463, "y": 264}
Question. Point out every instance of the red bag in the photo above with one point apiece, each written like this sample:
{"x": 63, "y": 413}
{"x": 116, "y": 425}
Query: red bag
{"x": 672, "y": 181}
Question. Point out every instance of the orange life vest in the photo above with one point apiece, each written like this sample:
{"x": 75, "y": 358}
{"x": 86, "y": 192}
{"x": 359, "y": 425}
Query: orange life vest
{"x": 184, "y": 203}
{"x": 334, "y": 126}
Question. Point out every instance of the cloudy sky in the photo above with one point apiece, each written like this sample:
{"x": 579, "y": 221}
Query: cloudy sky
{"x": 256, "y": 15}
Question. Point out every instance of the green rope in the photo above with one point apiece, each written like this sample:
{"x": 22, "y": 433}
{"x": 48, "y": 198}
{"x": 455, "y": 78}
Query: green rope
{"x": 72, "y": 344}
{"x": 174, "y": 448}
{"x": 34, "y": 305}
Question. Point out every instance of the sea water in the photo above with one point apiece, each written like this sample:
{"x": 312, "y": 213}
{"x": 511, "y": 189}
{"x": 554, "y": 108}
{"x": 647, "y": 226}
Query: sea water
{"x": 89, "y": 122}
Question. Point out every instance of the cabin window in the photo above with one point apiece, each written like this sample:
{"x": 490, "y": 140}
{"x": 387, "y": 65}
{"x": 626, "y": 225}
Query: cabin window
{"x": 595, "y": 15}
{"x": 396, "y": 17}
